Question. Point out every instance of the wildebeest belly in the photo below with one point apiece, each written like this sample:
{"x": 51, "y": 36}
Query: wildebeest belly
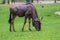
{"x": 21, "y": 14}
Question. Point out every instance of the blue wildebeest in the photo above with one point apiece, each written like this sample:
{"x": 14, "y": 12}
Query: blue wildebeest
{"x": 28, "y": 12}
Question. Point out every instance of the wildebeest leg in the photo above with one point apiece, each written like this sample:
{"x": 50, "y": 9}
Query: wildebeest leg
{"x": 29, "y": 23}
{"x": 10, "y": 27}
{"x": 24, "y": 23}
{"x": 12, "y": 23}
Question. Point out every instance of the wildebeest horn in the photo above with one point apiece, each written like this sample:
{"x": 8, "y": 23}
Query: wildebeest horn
{"x": 41, "y": 18}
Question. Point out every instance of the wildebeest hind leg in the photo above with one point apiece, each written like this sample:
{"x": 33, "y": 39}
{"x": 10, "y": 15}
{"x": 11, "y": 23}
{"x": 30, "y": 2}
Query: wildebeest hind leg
{"x": 13, "y": 23}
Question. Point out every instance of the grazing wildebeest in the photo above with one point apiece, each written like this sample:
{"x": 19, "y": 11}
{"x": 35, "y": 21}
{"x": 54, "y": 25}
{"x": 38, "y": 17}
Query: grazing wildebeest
{"x": 26, "y": 11}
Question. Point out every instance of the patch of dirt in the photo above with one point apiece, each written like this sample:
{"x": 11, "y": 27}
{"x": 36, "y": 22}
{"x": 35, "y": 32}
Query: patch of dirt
{"x": 58, "y": 12}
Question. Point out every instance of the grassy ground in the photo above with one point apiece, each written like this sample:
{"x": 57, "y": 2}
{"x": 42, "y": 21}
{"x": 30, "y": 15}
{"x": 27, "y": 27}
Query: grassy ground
{"x": 50, "y": 29}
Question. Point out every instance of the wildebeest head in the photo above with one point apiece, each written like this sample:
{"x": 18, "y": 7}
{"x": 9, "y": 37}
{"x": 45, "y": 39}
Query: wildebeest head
{"x": 37, "y": 24}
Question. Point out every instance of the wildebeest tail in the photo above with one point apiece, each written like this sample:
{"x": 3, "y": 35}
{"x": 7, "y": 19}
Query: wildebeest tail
{"x": 9, "y": 18}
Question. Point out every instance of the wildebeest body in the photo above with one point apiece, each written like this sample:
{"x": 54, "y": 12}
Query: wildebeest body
{"x": 26, "y": 11}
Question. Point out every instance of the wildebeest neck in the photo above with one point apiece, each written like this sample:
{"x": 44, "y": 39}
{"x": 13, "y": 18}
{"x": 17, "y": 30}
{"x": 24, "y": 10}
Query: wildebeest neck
{"x": 34, "y": 15}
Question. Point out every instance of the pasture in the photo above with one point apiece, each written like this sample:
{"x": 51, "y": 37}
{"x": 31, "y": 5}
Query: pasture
{"x": 50, "y": 29}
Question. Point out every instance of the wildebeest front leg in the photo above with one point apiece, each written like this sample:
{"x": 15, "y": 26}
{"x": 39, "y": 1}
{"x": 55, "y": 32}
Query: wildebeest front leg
{"x": 24, "y": 23}
{"x": 29, "y": 23}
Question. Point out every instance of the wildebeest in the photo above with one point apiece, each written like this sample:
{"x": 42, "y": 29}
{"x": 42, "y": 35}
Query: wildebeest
{"x": 26, "y": 11}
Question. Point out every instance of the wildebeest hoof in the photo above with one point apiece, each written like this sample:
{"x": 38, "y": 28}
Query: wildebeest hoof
{"x": 14, "y": 31}
{"x": 10, "y": 31}
{"x": 22, "y": 30}
{"x": 30, "y": 30}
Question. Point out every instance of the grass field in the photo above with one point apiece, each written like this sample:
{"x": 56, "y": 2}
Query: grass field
{"x": 50, "y": 29}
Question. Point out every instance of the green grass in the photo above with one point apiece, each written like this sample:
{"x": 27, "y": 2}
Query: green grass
{"x": 50, "y": 29}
